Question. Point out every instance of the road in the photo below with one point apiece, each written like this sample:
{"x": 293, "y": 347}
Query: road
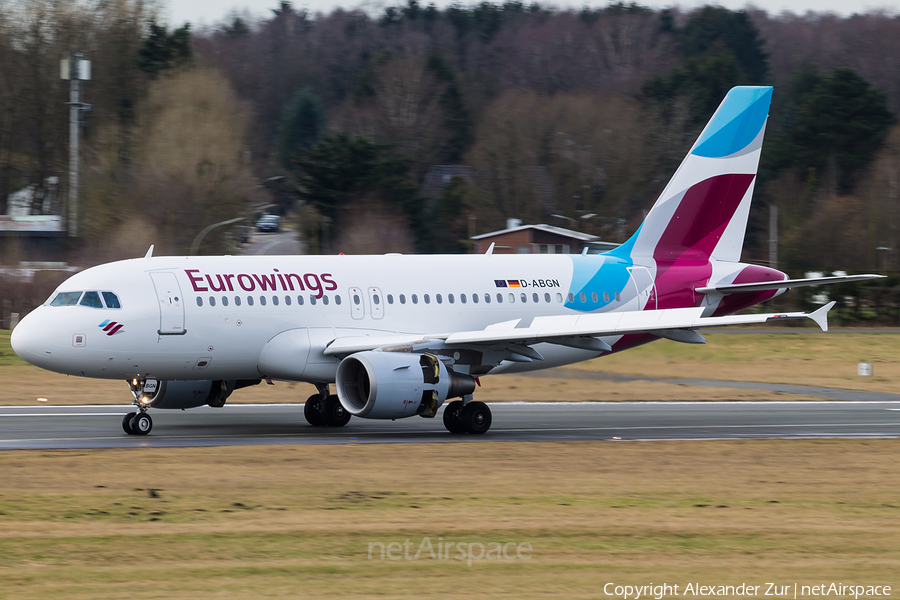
{"x": 284, "y": 242}
{"x": 100, "y": 426}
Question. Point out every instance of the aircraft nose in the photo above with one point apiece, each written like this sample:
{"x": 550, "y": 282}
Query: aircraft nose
{"x": 25, "y": 339}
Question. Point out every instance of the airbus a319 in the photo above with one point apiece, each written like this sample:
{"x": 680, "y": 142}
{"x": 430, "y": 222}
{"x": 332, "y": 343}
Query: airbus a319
{"x": 398, "y": 336}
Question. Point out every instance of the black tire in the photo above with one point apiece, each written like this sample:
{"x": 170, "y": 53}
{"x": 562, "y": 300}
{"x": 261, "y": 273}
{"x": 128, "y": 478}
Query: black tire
{"x": 126, "y": 423}
{"x": 141, "y": 424}
{"x": 452, "y": 419}
{"x": 476, "y": 417}
{"x": 312, "y": 411}
{"x": 334, "y": 412}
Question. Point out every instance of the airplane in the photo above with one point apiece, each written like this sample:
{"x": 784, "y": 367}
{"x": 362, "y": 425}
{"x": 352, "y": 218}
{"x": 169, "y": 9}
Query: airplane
{"x": 400, "y": 335}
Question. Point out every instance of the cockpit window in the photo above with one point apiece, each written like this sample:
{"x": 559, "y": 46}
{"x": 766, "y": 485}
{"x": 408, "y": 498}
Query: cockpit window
{"x": 66, "y": 299}
{"x": 112, "y": 301}
{"x": 91, "y": 299}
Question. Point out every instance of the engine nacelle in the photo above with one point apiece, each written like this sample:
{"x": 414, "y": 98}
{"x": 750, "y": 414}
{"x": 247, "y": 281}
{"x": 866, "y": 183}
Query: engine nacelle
{"x": 186, "y": 394}
{"x": 393, "y": 385}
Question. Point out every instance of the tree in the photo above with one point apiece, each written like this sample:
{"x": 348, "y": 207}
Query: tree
{"x": 301, "y": 127}
{"x": 162, "y": 50}
{"x": 341, "y": 174}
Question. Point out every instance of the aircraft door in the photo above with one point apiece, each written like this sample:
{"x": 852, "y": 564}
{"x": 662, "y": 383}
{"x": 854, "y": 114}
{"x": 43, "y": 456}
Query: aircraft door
{"x": 643, "y": 283}
{"x": 376, "y": 303}
{"x": 357, "y": 308}
{"x": 171, "y": 303}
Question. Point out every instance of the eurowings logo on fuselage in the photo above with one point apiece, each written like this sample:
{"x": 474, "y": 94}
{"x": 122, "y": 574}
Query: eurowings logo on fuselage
{"x": 111, "y": 327}
{"x": 289, "y": 282}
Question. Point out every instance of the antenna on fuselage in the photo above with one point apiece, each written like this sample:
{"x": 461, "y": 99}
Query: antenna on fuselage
{"x": 149, "y": 252}
{"x": 490, "y": 249}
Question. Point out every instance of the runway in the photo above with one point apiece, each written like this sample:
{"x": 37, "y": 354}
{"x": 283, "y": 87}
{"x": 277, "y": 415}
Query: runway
{"x": 81, "y": 427}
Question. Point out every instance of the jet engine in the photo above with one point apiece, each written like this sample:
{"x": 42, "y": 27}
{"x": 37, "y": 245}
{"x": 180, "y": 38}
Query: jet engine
{"x": 190, "y": 394}
{"x": 393, "y": 385}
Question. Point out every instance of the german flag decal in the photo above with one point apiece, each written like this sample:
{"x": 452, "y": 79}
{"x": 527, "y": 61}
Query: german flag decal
{"x": 513, "y": 282}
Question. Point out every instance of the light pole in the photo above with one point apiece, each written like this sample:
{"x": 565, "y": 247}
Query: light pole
{"x": 196, "y": 244}
{"x": 76, "y": 70}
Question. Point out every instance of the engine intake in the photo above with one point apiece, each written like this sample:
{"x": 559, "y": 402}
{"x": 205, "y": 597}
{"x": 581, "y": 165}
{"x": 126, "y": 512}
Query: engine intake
{"x": 394, "y": 385}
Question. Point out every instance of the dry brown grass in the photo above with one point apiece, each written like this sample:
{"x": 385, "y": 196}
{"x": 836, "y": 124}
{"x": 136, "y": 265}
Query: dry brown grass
{"x": 296, "y": 521}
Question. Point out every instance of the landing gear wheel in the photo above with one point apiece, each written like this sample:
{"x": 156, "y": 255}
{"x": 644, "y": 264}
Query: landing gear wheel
{"x": 126, "y": 422}
{"x": 452, "y": 420}
{"x": 334, "y": 412}
{"x": 476, "y": 417}
{"x": 312, "y": 410}
{"x": 141, "y": 424}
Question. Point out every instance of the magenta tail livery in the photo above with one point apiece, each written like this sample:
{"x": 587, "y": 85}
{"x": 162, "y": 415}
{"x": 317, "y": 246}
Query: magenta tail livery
{"x": 399, "y": 335}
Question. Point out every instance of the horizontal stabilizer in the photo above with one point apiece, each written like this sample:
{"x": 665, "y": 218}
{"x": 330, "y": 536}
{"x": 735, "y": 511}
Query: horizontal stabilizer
{"x": 786, "y": 283}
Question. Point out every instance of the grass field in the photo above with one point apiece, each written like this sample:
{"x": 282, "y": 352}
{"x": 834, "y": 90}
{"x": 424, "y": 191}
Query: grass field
{"x": 806, "y": 358}
{"x": 289, "y": 522}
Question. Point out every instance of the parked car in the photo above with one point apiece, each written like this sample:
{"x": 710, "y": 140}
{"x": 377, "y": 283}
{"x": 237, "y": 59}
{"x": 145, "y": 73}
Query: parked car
{"x": 268, "y": 223}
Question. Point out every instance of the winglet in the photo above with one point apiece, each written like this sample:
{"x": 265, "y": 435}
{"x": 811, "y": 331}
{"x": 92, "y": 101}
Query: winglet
{"x": 820, "y": 315}
{"x": 149, "y": 252}
{"x": 490, "y": 249}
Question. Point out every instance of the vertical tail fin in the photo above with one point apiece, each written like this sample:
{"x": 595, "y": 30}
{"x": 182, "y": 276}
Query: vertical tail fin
{"x": 702, "y": 213}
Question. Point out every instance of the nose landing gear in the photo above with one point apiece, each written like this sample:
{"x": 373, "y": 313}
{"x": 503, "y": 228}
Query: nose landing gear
{"x": 138, "y": 423}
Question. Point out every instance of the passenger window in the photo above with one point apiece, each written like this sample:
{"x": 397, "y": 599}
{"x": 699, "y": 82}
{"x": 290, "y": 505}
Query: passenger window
{"x": 112, "y": 301}
{"x": 299, "y": 300}
{"x": 275, "y": 300}
{"x": 375, "y": 299}
{"x": 512, "y": 298}
{"x": 325, "y": 299}
{"x": 262, "y": 300}
{"x": 312, "y": 299}
{"x": 390, "y": 298}
{"x": 558, "y": 297}
{"x": 356, "y": 299}
{"x": 474, "y": 298}
{"x": 337, "y": 299}
{"x": 524, "y": 297}
{"x": 287, "y": 300}
{"x": 427, "y": 299}
{"x": 547, "y": 298}
{"x": 402, "y": 299}
{"x": 199, "y": 301}
{"x": 224, "y": 300}
{"x": 535, "y": 297}
{"x": 594, "y": 297}
{"x": 571, "y": 297}
{"x": 606, "y": 296}
{"x": 439, "y": 298}
{"x": 415, "y": 299}
{"x": 499, "y": 298}
{"x": 212, "y": 300}
{"x": 462, "y": 298}
{"x": 583, "y": 297}
{"x": 618, "y": 297}
{"x": 487, "y": 298}
{"x": 66, "y": 299}
{"x": 249, "y": 300}
{"x": 237, "y": 300}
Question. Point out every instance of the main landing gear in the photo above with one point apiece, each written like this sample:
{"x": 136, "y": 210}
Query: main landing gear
{"x": 474, "y": 417}
{"x": 325, "y": 410}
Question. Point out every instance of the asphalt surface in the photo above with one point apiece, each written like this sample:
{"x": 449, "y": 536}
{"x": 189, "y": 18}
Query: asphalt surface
{"x": 82, "y": 427}
{"x": 282, "y": 243}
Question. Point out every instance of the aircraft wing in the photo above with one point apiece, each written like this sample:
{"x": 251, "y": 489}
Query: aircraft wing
{"x": 576, "y": 330}
{"x": 777, "y": 285}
